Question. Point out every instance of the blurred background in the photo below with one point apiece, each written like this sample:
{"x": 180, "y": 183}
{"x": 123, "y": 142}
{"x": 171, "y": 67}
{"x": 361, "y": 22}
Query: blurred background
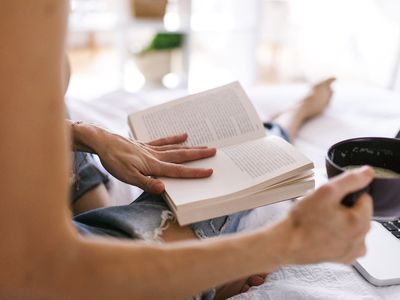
{"x": 139, "y": 45}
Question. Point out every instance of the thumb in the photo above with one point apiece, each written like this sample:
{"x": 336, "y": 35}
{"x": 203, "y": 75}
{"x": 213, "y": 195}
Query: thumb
{"x": 150, "y": 185}
{"x": 352, "y": 181}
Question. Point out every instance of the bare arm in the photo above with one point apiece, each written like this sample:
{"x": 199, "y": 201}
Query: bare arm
{"x": 34, "y": 160}
{"x": 42, "y": 257}
{"x": 179, "y": 270}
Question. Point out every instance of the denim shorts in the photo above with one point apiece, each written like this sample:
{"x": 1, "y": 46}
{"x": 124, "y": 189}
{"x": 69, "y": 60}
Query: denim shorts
{"x": 147, "y": 216}
{"x": 87, "y": 175}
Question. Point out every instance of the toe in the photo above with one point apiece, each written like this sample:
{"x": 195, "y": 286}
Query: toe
{"x": 263, "y": 275}
{"x": 245, "y": 288}
{"x": 330, "y": 80}
{"x": 326, "y": 82}
{"x": 256, "y": 280}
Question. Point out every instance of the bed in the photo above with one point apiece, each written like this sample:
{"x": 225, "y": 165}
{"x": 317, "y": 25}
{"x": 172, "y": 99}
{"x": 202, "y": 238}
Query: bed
{"x": 354, "y": 111}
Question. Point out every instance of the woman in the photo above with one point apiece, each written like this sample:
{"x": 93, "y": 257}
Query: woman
{"x": 43, "y": 256}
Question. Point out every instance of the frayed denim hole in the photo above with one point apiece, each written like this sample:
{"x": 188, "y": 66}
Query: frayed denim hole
{"x": 227, "y": 223}
{"x": 155, "y": 235}
{"x": 200, "y": 234}
{"x": 215, "y": 230}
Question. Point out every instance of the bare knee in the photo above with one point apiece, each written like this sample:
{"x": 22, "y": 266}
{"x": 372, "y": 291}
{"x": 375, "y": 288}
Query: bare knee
{"x": 174, "y": 233}
{"x": 95, "y": 198}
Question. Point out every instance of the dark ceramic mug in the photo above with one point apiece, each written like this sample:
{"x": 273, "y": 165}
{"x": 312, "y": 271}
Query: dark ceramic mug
{"x": 376, "y": 152}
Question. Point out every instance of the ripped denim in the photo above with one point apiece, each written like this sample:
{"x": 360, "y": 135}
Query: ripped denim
{"x": 145, "y": 219}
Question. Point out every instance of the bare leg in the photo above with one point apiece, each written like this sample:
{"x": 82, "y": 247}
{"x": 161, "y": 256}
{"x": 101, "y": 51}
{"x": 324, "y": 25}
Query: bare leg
{"x": 312, "y": 105}
{"x": 175, "y": 233}
{"x": 95, "y": 198}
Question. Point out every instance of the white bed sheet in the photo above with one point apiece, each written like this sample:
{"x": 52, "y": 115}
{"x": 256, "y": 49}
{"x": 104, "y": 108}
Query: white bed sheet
{"x": 354, "y": 111}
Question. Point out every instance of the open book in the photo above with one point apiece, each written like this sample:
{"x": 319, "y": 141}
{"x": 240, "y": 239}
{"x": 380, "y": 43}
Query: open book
{"x": 250, "y": 168}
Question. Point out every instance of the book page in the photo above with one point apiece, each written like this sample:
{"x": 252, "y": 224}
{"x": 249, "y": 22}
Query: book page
{"x": 259, "y": 158}
{"x": 218, "y": 117}
{"x": 266, "y": 161}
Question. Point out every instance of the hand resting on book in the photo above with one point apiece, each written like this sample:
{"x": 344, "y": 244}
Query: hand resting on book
{"x": 134, "y": 162}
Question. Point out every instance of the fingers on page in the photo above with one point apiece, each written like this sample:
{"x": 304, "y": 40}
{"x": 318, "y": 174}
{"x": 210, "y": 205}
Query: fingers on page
{"x": 180, "y": 171}
{"x": 170, "y": 140}
{"x": 184, "y": 155}
{"x": 175, "y": 147}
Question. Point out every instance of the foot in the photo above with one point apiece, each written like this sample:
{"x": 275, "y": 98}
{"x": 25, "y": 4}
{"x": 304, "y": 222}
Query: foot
{"x": 311, "y": 106}
{"x": 317, "y": 100}
{"x": 240, "y": 286}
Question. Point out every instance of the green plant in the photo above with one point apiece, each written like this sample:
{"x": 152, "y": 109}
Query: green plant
{"x": 164, "y": 41}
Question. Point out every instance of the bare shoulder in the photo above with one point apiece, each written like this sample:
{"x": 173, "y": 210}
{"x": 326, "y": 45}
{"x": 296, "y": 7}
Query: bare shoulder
{"x": 26, "y": 22}
{"x": 33, "y": 155}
